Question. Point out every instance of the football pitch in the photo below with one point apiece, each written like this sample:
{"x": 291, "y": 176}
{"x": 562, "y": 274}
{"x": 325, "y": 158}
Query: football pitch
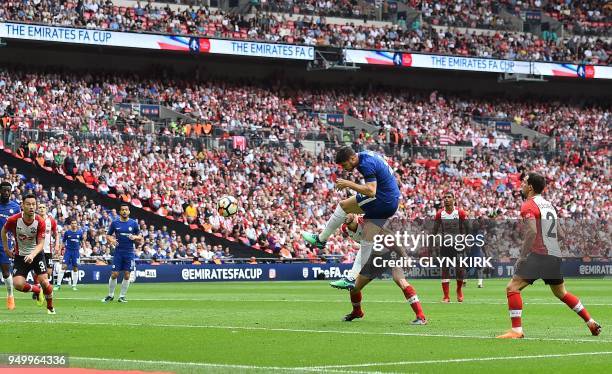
{"x": 288, "y": 327}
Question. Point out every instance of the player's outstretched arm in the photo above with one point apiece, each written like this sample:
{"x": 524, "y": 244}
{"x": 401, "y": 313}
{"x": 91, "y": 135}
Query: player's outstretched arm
{"x": 368, "y": 189}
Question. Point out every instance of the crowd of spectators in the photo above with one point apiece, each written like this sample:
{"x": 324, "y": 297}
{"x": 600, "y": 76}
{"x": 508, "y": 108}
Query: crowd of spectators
{"x": 585, "y": 17}
{"x": 309, "y": 30}
{"x": 86, "y": 103}
{"x": 160, "y": 245}
{"x": 591, "y": 17}
{"x": 329, "y": 8}
{"x": 481, "y": 14}
{"x": 282, "y": 190}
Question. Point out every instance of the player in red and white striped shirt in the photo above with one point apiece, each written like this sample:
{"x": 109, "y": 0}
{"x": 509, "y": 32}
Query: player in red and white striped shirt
{"x": 452, "y": 221}
{"x": 28, "y": 230}
{"x": 540, "y": 257}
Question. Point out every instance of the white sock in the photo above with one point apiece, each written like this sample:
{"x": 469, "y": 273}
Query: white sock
{"x": 124, "y": 287}
{"x": 365, "y": 251}
{"x": 75, "y": 278}
{"x": 335, "y": 221}
{"x": 60, "y": 277}
{"x": 518, "y": 330}
{"x": 112, "y": 283}
{"x": 8, "y": 282}
{"x": 356, "y": 266}
{"x": 480, "y": 281}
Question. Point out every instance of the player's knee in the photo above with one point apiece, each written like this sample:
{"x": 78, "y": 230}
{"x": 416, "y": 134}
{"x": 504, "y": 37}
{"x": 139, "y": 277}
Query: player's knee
{"x": 559, "y": 292}
{"x": 511, "y": 287}
{"x": 344, "y": 204}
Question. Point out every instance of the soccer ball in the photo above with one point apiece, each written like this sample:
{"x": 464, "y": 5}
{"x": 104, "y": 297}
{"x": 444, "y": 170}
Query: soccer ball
{"x": 227, "y": 206}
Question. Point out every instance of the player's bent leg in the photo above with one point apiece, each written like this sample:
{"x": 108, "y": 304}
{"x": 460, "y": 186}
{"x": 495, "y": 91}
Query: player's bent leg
{"x": 348, "y": 282}
{"x": 364, "y": 253}
{"x": 515, "y": 307}
{"x": 574, "y": 303}
{"x": 47, "y": 291}
{"x": 336, "y": 220}
{"x": 22, "y": 285}
{"x": 410, "y": 295}
{"x": 356, "y": 296}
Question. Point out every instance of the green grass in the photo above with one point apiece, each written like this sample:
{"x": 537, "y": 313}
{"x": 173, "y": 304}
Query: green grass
{"x": 295, "y": 327}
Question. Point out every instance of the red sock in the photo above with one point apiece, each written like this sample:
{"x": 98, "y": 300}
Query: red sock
{"x": 413, "y": 300}
{"x": 574, "y": 303}
{"x": 459, "y": 285}
{"x": 356, "y": 301}
{"x": 48, "y": 291}
{"x": 29, "y": 288}
{"x": 445, "y": 288}
{"x": 515, "y": 306}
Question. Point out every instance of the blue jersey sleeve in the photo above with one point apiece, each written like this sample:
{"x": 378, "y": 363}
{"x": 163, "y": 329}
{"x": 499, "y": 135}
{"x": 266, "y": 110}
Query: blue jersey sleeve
{"x": 65, "y": 238}
{"x": 111, "y": 229}
{"x": 368, "y": 171}
{"x": 136, "y": 228}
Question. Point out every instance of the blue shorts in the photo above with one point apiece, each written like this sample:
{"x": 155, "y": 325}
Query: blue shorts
{"x": 375, "y": 209}
{"x": 4, "y": 259}
{"x": 71, "y": 258}
{"x": 123, "y": 262}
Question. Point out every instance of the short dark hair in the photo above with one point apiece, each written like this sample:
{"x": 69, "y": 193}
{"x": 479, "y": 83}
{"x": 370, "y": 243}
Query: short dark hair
{"x": 29, "y": 196}
{"x": 344, "y": 154}
{"x": 537, "y": 181}
{"x": 124, "y": 204}
{"x": 6, "y": 184}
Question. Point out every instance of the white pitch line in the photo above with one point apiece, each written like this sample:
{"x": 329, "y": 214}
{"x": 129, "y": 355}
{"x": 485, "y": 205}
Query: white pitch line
{"x": 467, "y": 302}
{"x": 226, "y": 366}
{"x": 459, "y": 360}
{"x": 248, "y": 328}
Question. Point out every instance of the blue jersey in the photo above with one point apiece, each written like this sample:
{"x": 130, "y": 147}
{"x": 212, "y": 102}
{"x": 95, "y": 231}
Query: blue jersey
{"x": 7, "y": 210}
{"x": 373, "y": 167}
{"x": 122, "y": 229}
{"x": 72, "y": 240}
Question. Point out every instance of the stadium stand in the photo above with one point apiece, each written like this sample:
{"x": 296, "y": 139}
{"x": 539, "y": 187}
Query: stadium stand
{"x": 276, "y": 27}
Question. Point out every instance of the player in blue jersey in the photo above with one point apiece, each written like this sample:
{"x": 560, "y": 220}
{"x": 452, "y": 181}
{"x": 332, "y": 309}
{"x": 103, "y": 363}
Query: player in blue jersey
{"x": 72, "y": 239}
{"x": 7, "y": 209}
{"x": 377, "y": 200}
{"x": 122, "y": 234}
